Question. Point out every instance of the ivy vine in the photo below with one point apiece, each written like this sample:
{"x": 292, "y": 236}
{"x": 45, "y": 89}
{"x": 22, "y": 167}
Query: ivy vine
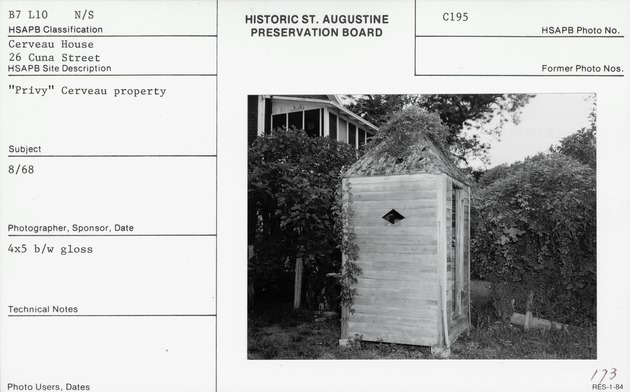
{"x": 349, "y": 269}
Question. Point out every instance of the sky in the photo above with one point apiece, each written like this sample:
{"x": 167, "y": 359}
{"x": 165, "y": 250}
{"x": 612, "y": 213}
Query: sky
{"x": 544, "y": 121}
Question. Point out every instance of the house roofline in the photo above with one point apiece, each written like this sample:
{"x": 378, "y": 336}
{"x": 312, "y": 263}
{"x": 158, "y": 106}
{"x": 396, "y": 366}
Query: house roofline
{"x": 372, "y": 127}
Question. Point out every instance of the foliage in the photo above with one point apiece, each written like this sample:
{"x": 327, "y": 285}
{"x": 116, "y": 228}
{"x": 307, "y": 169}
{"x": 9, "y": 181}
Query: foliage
{"x": 403, "y": 127}
{"x": 536, "y": 226}
{"x": 292, "y": 189}
{"x": 483, "y": 112}
{"x": 491, "y": 175}
{"x": 377, "y": 108}
{"x": 580, "y": 146}
{"x": 350, "y": 270}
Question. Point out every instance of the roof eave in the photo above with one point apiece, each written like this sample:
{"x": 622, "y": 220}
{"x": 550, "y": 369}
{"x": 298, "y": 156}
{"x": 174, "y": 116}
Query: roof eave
{"x": 336, "y": 105}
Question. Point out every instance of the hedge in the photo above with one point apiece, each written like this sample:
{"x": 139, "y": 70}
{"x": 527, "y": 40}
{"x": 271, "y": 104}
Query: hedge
{"x": 294, "y": 184}
{"x": 535, "y": 228}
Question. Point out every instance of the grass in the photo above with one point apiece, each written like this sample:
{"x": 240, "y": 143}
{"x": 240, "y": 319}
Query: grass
{"x": 278, "y": 332}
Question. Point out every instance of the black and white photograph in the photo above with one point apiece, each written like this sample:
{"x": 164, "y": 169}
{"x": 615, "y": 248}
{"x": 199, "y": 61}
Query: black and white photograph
{"x": 458, "y": 226}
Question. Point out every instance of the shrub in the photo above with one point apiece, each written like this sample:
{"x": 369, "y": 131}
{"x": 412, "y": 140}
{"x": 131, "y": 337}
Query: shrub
{"x": 293, "y": 189}
{"x": 536, "y": 228}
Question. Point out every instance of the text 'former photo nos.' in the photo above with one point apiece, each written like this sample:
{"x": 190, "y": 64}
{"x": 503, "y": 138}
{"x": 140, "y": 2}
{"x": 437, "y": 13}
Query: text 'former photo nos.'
{"x": 422, "y": 226}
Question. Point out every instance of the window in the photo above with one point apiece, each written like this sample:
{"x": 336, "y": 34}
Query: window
{"x": 279, "y": 121}
{"x": 352, "y": 135}
{"x": 311, "y": 122}
{"x": 393, "y": 216}
{"x": 295, "y": 120}
{"x": 342, "y": 132}
{"x": 332, "y": 126}
{"x": 361, "y": 137}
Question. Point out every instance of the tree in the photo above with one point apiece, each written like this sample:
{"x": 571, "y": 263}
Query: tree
{"x": 377, "y": 108}
{"x": 484, "y": 112}
{"x": 581, "y": 145}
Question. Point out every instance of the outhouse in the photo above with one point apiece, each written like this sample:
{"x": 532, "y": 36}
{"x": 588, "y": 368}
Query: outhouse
{"x": 410, "y": 219}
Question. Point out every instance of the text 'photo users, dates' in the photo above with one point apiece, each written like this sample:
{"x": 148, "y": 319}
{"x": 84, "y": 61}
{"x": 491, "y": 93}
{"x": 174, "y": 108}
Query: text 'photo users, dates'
{"x": 48, "y": 387}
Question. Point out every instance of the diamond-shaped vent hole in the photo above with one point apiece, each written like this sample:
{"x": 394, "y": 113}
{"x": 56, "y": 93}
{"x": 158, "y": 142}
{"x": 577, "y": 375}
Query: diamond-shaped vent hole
{"x": 393, "y": 216}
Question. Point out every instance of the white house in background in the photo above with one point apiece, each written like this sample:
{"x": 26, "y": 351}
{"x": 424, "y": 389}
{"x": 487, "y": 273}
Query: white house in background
{"x": 317, "y": 115}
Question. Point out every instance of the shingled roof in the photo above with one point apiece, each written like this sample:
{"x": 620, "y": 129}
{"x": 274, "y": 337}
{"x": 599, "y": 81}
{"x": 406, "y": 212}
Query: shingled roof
{"x": 421, "y": 156}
